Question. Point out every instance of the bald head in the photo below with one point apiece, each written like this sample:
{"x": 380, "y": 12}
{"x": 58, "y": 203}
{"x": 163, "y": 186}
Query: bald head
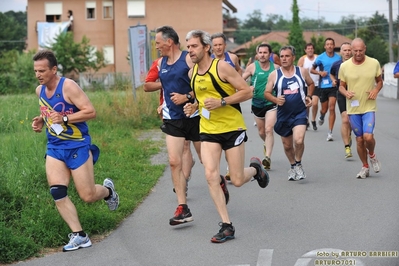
{"x": 358, "y": 51}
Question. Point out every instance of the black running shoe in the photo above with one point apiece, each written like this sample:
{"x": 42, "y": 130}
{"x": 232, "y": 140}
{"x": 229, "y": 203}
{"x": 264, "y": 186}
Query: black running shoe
{"x": 314, "y": 125}
{"x": 226, "y": 232}
{"x": 182, "y": 215}
{"x": 261, "y": 174}
{"x": 224, "y": 188}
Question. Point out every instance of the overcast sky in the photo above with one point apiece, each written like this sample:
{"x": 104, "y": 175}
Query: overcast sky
{"x": 331, "y": 10}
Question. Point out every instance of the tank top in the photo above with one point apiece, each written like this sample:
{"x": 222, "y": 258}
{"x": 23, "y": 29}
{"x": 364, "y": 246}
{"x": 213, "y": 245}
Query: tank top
{"x": 308, "y": 64}
{"x": 223, "y": 119}
{"x": 174, "y": 78}
{"x": 294, "y": 90}
{"x": 74, "y": 135}
{"x": 259, "y": 81}
{"x": 226, "y": 59}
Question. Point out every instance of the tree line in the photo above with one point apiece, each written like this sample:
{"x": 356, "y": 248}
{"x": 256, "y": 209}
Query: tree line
{"x": 16, "y": 66}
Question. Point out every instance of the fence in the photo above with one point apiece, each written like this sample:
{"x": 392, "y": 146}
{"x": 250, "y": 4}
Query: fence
{"x": 104, "y": 81}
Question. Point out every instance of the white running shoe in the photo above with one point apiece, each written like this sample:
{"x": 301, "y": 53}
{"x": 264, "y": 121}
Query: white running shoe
{"x": 330, "y": 137}
{"x": 365, "y": 172}
{"x": 76, "y": 242}
{"x": 300, "y": 173}
{"x": 375, "y": 164}
{"x": 292, "y": 175}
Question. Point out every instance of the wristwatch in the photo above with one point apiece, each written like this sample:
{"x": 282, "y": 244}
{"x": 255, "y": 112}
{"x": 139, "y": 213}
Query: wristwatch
{"x": 188, "y": 95}
{"x": 65, "y": 119}
{"x": 223, "y": 102}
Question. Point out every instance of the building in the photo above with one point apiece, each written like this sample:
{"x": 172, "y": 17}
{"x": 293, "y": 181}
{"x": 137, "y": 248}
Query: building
{"x": 106, "y": 22}
{"x": 282, "y": 37}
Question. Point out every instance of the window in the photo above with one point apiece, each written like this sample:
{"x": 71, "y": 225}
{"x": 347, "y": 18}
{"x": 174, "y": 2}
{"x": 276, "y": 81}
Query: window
{"x": 108, "y": 12}
{"x": 91, "y": 10}
{"x": 53, "y": 12}
{"x": 136, "y": 8}
{"x": 108, "y": 55}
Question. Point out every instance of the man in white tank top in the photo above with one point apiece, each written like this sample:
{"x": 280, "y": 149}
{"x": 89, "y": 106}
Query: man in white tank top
{"x": 306, "y": 61}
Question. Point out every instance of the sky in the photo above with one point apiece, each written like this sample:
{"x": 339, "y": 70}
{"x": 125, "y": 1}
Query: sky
{"x": 331, "y": 10}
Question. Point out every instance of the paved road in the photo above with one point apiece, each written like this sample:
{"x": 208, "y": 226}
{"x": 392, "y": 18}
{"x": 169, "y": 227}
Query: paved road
{"x": 287, "y": 224}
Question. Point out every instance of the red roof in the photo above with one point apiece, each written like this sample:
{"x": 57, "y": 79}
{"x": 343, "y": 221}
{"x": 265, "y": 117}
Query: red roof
{"x": 282, "y": 37}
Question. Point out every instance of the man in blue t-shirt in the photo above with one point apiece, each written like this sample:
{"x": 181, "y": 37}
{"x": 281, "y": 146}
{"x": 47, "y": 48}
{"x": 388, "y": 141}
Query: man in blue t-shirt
{"x": 328, "y": 92}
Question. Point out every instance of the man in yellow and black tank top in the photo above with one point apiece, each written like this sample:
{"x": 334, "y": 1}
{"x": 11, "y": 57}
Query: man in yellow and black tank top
{"x": 218, "y": 91}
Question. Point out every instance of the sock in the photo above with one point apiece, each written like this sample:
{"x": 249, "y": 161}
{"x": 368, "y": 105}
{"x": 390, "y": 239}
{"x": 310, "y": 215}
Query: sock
{"x": 184, "y": 206}
{"x": 347, "y": 146}
{"x": 366, "y": 165}
{"x": 110, "y": 194}
{"x": 227, "y": 225}
{"x": 371, "y": 155}
{"x": 298, "y": 162}
{"x": 80, "y": 233}
{"x": 293, "y": 165}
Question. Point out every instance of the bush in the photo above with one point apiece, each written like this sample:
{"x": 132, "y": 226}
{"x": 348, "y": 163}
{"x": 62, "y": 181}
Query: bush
{"x": 29, "y": 220}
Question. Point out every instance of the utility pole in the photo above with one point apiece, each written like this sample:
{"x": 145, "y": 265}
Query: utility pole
{"x": 390, "y": 32}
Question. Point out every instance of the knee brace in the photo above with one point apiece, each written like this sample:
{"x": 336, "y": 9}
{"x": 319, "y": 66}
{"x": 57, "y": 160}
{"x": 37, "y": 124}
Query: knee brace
{"x": 58, "y": 192}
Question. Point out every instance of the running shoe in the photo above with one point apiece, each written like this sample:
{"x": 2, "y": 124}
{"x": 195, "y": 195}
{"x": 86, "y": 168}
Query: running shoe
{"x": 113, "y": 201}
{"x": 261, "y": 174}
{"x": 223, "y": 185}
{"x": 365, "y": 172}
{"x": 300, "y": 173}
{"x": 226, "y": 232}
{"x": 330, "y": 137}
{"x": 375, "y": 164}
{"x": 76, "y": 241}
{"x": 292, "y": 175}
{"x": 182, "y": 215}
{"x": 348, "y": 152}
{"x": 314, "y": 125}
{"x": 267, "y": 162}
{"x": 321, "y": 120}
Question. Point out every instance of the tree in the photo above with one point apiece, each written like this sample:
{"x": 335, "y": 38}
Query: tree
{"x": 76, "y": 57}
{"x": 295, "y": 37}
{"x": 13, "y": 31}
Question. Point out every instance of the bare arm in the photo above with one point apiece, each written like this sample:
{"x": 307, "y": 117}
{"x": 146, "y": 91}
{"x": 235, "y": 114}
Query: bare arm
{"x": 269, "y": 90}
{"x": 310, "y": 83}
{"x": 227, "y": 73}
{"x": 235, "y": 60}
{"x": 378, "y": 86}
{"x": 248, "y": 71}
{"x": 301, "y": 61}
{"x": 73, "y": 94}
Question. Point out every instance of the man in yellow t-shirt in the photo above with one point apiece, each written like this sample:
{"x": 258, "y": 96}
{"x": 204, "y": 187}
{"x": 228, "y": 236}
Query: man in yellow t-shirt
{"x": 361, "y": 82}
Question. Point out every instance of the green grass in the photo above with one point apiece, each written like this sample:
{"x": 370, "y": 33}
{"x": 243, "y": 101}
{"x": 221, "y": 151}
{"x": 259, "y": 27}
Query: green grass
{"x": 29, "y": 221}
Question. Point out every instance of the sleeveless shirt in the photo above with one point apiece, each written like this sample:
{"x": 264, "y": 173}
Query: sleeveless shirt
{"x": 174, "y": 78}
{"x": 294, "y": 89}
{"x": 223, "y": 119}
{"x": 74, "y": 135}
{"x": 259, "y": 81}
{"x": 226, "y": 58}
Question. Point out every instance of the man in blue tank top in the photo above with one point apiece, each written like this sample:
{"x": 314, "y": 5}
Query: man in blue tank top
{"x": 173, "y": 73}
{"x": 219, "y": 51}
{"x": 293, "y": 88}
{"x": 64, "y": 109}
